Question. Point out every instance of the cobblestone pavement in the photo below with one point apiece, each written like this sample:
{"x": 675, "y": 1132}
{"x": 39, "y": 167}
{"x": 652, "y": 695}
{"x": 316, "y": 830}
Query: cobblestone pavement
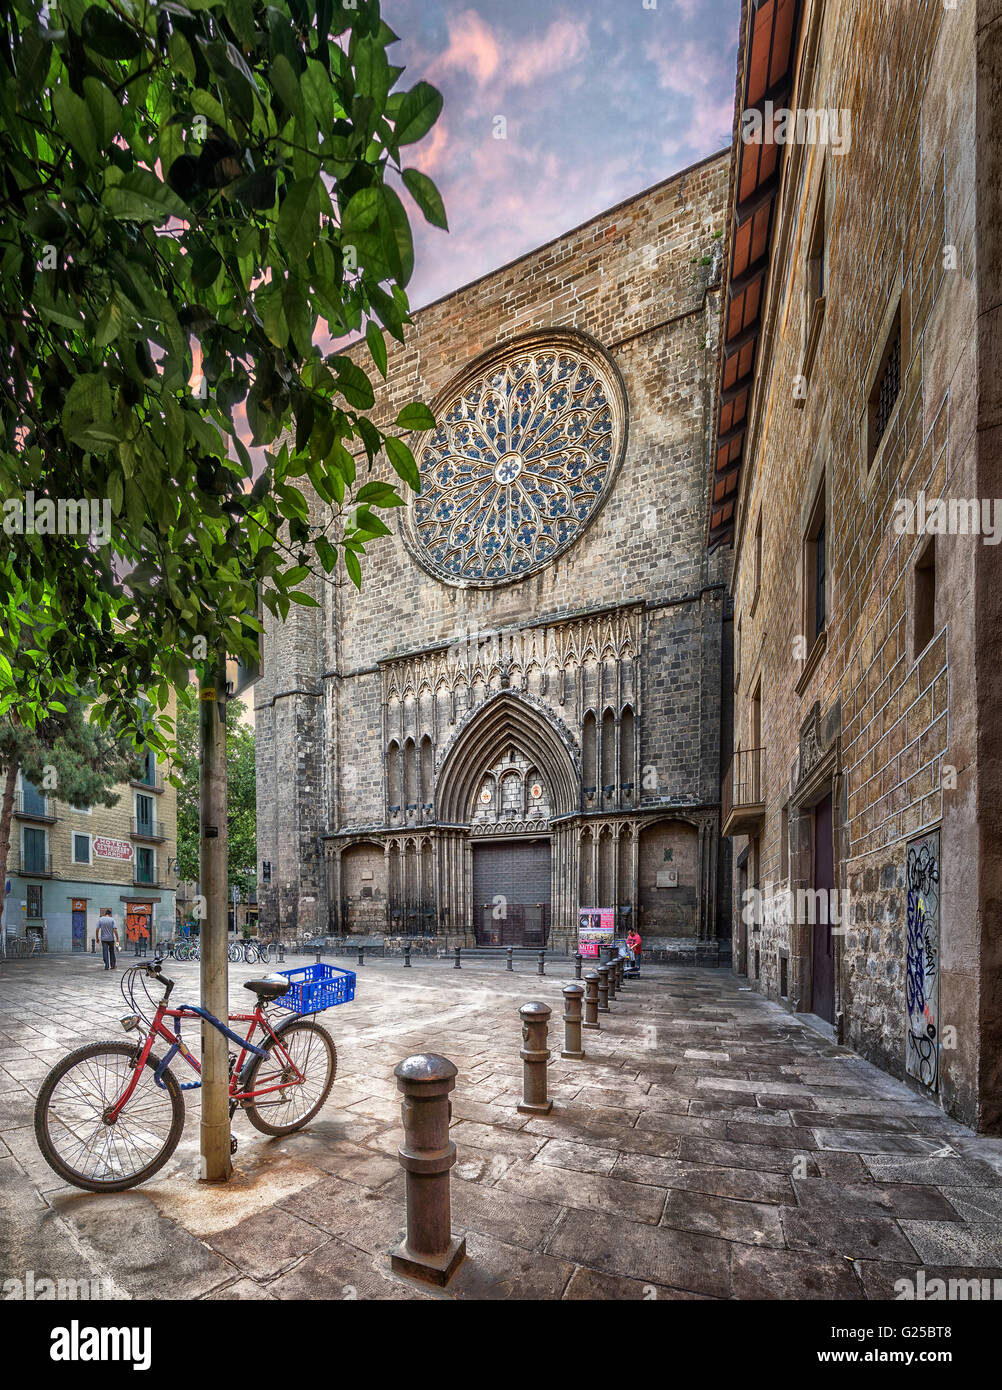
{"x": 708, "y": 1147}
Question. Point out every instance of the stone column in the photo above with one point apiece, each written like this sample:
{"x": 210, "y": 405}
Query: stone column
{"x": 535, "y": 1055}
{"x": 603, "y": 989}
{"x": 430, "y": 1251}
{"x": 591, "y": 1000}
{"x": 573, "y": 995}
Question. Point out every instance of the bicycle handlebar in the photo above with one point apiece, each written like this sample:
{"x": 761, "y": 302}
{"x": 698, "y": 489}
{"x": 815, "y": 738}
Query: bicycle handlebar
{"x": 155, "y": 970}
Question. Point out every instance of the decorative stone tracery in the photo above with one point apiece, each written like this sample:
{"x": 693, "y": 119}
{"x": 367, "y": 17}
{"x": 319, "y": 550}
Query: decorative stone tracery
{"x": 525, "y": 452}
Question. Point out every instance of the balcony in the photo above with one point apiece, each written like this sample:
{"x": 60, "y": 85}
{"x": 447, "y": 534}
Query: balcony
{"x": 34, "y": 865}
{"x": 148, "y": 782}
{"x": 32, "y": 806}
{"x": 743, "y": 793}
{"x": 148, "y": 830}
{"x": 151, "y": 882}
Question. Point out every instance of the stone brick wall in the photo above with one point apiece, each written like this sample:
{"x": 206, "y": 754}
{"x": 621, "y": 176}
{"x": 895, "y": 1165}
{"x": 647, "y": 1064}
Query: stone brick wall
{"x": 641, "y": 281}
{"x": 905, "y": 215}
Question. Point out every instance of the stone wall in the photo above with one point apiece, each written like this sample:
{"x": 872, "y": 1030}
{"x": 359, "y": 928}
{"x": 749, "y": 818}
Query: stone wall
{"x": 641, "y": 282}
{"x": 906, "y": 212}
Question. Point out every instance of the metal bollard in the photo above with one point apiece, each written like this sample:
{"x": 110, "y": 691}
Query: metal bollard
{"x": 535, "y": 1055}
{"x": 361, "y": 955}
{"x": 603, "y": 989}
{"x": 281, "y": 953}
{"x": 611, "y": 977}
{"x": 511, "y": 952}
{"x": 591, "y": 1000}
{"x": 540, "y": 962}
{"x": 318, "y": 955}
{"x": 458, "y": 965}
{"x": 407, "y": 955}
{"x": 430, "y": 1251}
{"x": 573, "y": 995}
{"x": 577, "y": 965}
{"x": 93, "y": 947}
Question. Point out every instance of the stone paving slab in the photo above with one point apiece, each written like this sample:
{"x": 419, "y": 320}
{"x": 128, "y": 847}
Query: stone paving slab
{"x": 707, "y": 1147}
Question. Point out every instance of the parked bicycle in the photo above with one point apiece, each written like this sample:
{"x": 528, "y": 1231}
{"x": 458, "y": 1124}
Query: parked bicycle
{"x": 246, "y": 951}
{"x": 110, "y": 1114}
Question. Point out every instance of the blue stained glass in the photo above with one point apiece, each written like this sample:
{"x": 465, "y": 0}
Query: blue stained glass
{"x": 523, "y": 451}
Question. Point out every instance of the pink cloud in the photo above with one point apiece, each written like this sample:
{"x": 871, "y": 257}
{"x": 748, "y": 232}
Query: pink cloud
{"x": 563, "y": 44}
{"x": 472, "y": 48}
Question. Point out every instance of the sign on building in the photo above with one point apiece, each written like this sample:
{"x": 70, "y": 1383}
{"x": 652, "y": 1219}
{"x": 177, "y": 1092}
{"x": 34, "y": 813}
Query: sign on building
{"x": 112, "y": 849}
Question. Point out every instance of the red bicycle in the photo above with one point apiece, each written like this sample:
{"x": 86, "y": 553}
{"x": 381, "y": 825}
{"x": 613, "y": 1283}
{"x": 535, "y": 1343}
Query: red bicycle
{"x": 109, "y": 1115}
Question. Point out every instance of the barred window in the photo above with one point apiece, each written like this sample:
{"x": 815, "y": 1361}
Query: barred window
{"x": 886, "y": 388}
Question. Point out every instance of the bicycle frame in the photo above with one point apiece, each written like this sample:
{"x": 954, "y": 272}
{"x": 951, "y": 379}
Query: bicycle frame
{"x": 177, "y": 1045}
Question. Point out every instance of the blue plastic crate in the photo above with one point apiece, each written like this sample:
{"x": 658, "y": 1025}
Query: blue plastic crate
{"x": 316, "y": 987}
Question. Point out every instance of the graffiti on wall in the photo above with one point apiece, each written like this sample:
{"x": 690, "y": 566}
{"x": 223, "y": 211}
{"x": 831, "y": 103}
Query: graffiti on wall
{"x": 922, "y": 961}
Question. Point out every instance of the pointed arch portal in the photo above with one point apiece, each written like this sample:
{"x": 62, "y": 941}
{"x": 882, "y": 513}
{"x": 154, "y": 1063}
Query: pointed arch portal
{"x": 506, "y": 759}
{"x": 503, "y": 722}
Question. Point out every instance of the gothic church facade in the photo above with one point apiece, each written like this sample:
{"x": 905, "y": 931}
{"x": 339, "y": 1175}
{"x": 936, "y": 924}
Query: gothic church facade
{"x": 523, "y": 713}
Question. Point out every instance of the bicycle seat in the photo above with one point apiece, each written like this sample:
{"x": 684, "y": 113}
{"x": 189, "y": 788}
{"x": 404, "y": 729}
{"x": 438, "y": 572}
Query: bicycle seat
{"x": 267, "y": 989}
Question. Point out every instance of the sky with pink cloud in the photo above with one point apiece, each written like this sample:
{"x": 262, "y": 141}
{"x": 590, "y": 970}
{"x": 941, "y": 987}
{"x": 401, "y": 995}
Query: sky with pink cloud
{"x": 596, "y": 100}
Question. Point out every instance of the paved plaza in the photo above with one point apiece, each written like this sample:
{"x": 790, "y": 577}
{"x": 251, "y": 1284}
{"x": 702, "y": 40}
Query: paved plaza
{"x": 708, "y": 1147}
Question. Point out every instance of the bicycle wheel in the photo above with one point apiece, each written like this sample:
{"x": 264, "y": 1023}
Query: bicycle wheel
{"x": 69, "y": 1118}
{"x": 311, "y": 1048}
{"x": 264, "y": 952}
{"x": 233, "y": 954}
{"x": 182, "y": 950}
{"x": 250, "y": 954}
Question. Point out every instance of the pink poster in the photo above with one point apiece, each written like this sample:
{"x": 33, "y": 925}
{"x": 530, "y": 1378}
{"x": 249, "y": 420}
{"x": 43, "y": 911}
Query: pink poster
{"x": 595, "y": 929}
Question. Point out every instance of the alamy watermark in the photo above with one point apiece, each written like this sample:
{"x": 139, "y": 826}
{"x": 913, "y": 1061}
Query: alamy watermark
{"x": 801, "y": 905}
{"x": 807, "y": 125}
{"x": 64, "y": 516}
{"x": 41, "y": 1288}
{"x": 935, "y": 1290}
{"x": 949, "y": 516}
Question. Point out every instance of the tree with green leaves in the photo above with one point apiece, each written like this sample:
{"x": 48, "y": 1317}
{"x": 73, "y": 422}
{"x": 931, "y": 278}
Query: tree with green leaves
{"x": 195, "y": 195}
{"x": 241, "y": 794}
{"x": 64, "y": 755}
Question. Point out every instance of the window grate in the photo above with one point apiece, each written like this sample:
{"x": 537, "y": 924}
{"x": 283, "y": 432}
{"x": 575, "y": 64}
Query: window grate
{"x": 888, "y": 386}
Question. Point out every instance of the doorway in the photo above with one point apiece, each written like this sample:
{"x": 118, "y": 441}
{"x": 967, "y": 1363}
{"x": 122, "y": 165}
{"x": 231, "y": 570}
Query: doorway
{"x": 823, "y": 943}
{"x": 79, "y": 924}
{"x": 511, "y": 893}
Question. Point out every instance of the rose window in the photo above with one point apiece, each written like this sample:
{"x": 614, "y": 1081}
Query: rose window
{"x": 524, "y": 454}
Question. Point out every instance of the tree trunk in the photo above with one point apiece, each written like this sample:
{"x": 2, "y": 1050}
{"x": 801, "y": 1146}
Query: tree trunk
{"x": 6, "y": 813}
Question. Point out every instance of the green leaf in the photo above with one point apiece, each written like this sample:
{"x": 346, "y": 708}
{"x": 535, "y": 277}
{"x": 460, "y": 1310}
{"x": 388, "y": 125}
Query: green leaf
{"x": 403, "y": 462}
{"x": 419, "y": 111}
{"x": 415, "y": 417}
{"x": 269, "y": 301}
{"x": 397, "y": 240}
{"x": 298, "y": 220}
{"x": 360, "y": 214}
{"x": 379, "y": 494}
{"x": 141, "y": 197}
{"x": 427, "y": 197}
{"x": 377, "y": 345}
{"x": 354, "y": 569}
{"x": 372, "y": 74}
{"x": 353, "y": 383}
{"x": 104, "y": 33}
{"x": 75, "y": 122}
{"x": 286, "y": 83}
{"x": 87, "y": 417}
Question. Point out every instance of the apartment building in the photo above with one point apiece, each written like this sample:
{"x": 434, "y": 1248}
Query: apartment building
{"x": 858, "y": 477}
{"x": 66, "y": 863}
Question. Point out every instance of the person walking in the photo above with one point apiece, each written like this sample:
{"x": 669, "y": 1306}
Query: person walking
{"x": 107, "y": 935}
